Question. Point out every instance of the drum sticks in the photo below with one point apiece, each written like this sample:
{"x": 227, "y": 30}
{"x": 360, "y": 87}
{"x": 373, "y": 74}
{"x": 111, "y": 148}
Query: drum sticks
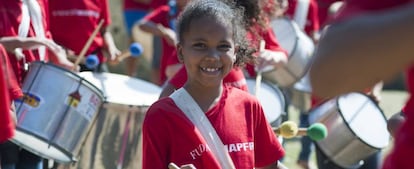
{"x": 289, "y": 129}
{"x": 88, "y": 43}
{"x": 259, "y": 72}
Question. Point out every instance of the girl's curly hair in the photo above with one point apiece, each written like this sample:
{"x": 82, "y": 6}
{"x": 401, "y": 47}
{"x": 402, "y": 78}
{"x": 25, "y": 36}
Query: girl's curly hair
{"x": 227, "y": 13}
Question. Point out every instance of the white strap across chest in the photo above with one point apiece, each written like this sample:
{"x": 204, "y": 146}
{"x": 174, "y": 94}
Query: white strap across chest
{"x": 191, "y": 109}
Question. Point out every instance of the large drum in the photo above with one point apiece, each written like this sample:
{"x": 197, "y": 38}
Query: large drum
{"x": 272, "y": 100}
{"x": 357, "y": 128}
{"x": 115, "y": 138}
{"x": 300, "y": 49}
{"x": 56, "y": 112}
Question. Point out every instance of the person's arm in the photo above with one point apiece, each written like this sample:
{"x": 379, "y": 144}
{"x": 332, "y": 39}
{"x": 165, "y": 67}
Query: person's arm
{"x": 158, "y": 30}
{"x": 110, "y": 46}
{"x": 58, "y": 54}
{"x": 360, "y": 52}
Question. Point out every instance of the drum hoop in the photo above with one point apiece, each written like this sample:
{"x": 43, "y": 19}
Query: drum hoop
{"x": 349, "y": 127}
{"x": 275, "y": 88}
{"x": 333, "y": 161}
{"x": 72, "y": 74}
{"x": 124, "y": 107}
{"x": 66, "y": 153}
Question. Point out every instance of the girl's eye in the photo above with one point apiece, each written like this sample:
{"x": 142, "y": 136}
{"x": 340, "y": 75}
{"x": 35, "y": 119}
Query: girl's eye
{"x": 224, "y": 47}
{"x": 199, "y": 46}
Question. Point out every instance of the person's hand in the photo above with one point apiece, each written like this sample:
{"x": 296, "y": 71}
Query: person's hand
{"x": 273, "y": 59}
{"x": 112, "y": 54}
{"x": 58, "y": 55}
{"x": 394, "y": 123}
{"x": 186, "y": 166}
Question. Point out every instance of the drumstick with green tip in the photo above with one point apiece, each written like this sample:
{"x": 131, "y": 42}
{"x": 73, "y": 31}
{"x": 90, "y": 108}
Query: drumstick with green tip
{"x": 289, "y": 129}
{"x": 259, "y": 72}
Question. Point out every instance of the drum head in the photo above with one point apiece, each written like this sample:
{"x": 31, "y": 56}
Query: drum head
{"x": 285, "y": 33}
{"x": 41, "y": 147}
{"x": 124, "y": 90}
{"x": 270, "y": 97}
{"x": 365, "y": 119}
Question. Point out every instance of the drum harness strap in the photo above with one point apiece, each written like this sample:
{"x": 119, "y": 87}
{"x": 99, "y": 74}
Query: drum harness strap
{"x": 193, "y": 112}
{"x": 31, "y": 12}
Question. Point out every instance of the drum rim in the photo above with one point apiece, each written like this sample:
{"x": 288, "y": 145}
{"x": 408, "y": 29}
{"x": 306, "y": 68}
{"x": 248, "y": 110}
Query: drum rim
{"x": 275, "y": 88}
{"x": 69, "y": 155}
{"x": 349, "y": 127}
{"x": 71, "y": 73}
{"x": 334, "y": 162}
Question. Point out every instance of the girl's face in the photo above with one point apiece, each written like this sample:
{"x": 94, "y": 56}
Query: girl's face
{"x": 208, "y": 51}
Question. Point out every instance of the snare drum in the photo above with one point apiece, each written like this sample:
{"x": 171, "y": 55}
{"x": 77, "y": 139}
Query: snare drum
{"x": 299, "y": 47}
{"x": 357, "y": 128}
{"x": 115, "y": 138}
{"x": 272, "y": 100}
{"x": 56, "y": 112}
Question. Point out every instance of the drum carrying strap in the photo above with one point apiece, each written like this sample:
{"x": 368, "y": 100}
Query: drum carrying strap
{"x": 31, "y": 12}
{"x": 191, "y": 109}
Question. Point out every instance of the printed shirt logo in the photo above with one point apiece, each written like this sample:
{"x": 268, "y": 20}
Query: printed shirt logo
{"x": 231, "y": 148}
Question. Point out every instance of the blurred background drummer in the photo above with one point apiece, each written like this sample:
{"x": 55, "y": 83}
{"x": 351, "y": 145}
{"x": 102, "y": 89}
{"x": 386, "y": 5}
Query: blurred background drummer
{"x": 161, "y": 22}
{"x": 72, "y": 24}
{"x": 135, "y": 10}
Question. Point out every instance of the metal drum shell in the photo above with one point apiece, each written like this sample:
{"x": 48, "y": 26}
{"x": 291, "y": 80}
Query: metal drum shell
{"x": 343, "y": 145}
{"x": 52, "y": 126}
{"x": 300, "y": 49}
{"x": 115, "y": 138}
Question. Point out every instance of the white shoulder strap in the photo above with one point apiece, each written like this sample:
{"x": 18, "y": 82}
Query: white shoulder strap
{"x": 191, "y": 109}
{"x": 301, "y": 13}
{"x": 32, "y": 12}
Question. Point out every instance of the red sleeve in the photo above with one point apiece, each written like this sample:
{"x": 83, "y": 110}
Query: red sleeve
{"x": 158, "y": 3}
{"x": 179, "y": 78}
{"x": 266, "y": 145}
{"x": 6, "y": 122}
{"x": 106, "y": 16}
{"x": 271, "y": 41}
{"x": 313, "y": 18}
{"x": 11, "y": 80}
{"x": 159, "y": 15}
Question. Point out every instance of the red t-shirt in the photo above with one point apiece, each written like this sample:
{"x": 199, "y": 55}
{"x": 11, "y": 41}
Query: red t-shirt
{"x": 10, "y": 19}
{"x": 400, "y": 156}
{"x": 312, "y": 21}
{"x": 271, "y": 44}
{"x": 161, "y": 16}
{"x": 323, "y": 11}
{"x": 6, "y": 122}
{"x": 72, "y": 23}
{"x": 133, "y": 5}
{"x": 235, "y": 78}
{"x": 238, "y": 118}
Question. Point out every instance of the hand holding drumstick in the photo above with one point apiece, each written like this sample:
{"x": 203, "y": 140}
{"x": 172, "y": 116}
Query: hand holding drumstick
{"x": 88, "y": 43}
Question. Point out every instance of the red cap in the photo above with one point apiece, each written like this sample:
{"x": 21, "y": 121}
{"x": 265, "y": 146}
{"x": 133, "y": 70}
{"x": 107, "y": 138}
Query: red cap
{"x": 353, "y": 8}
